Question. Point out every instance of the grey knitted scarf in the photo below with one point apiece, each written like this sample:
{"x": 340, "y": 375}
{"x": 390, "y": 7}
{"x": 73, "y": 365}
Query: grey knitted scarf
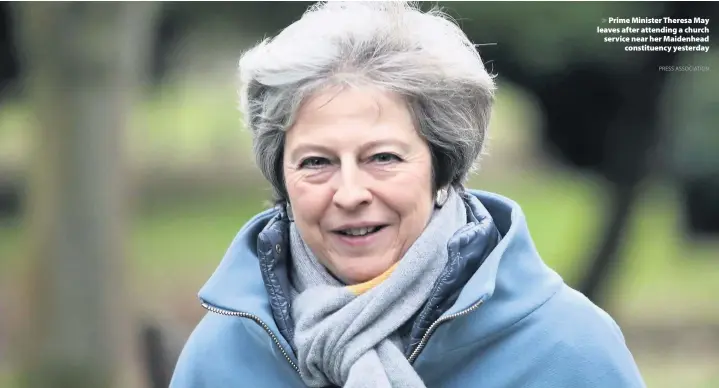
{"x": 349, "y": 338}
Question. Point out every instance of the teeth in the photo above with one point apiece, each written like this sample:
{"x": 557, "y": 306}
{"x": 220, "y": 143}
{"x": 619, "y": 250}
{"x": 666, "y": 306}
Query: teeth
{"x": 359, "y": 231}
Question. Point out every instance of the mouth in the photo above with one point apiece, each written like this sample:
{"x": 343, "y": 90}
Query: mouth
{"x": 360, "y": 232}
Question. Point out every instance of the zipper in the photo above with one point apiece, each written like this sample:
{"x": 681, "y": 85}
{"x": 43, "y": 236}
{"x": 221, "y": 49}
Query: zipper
{"x": 433, "y": 327}
{"x": 259, "y": 322}
{"x": 411, "y": 359}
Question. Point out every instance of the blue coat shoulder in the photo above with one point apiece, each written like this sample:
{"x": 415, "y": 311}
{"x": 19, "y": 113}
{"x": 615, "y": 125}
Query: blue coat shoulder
{"x": 226, "y": 351}
{"x": 565, "y": 342}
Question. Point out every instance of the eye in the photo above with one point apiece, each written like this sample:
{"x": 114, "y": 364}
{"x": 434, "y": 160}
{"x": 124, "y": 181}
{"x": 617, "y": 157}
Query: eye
{"x": 385, "y": 157}
{"x": 313, "y": 162}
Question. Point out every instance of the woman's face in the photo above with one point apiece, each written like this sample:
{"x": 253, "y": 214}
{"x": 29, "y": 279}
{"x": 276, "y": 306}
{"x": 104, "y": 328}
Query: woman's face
{"x": 358, "y": 177}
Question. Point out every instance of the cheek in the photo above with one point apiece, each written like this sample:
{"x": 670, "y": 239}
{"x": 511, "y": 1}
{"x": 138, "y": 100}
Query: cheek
{"x": 308, "y": 211}
{"x": 308, "y": 200}
{"x": 413, "y": 183}
{"x": 410, "y": 200}
{"x": 413, "y": 207}
{"x": 410, "y": 194}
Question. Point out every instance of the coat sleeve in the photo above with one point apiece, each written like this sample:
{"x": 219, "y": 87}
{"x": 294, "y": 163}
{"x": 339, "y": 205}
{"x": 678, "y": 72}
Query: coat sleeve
{"x": 590, "y": 351}
{"x": 227, "y": 351}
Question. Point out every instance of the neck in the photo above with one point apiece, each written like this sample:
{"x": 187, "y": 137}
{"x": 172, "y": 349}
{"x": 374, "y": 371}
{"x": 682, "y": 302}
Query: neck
{"x": 361, "y": 288}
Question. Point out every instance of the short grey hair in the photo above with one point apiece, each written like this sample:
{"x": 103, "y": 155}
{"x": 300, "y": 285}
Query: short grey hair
{"x": 423, "y": 56}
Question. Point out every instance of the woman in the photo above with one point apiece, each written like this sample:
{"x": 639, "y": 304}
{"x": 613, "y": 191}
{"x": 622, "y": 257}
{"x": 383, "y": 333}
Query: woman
{"x": 377, "y": 268}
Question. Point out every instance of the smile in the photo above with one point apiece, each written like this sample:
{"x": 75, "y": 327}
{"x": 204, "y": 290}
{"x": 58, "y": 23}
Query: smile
{"x": 361, "y": 236}
{"x": 358, "y": 232}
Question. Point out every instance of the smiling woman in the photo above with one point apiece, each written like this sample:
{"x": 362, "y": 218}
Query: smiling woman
{"x": 377, "y": 267}
{"x": 365, "y": 195}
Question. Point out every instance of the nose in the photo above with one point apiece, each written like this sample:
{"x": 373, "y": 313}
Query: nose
{"x": 351, "y": 191}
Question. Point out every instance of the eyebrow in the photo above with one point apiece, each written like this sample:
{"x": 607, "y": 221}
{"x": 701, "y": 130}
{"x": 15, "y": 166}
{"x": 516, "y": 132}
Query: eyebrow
{"x": 384, "y": 142}
{"x": 304, "y": 148}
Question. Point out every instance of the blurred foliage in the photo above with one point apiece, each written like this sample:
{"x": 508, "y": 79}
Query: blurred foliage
{"x": 178, "y": 123}
{"x": 175, "y": 126}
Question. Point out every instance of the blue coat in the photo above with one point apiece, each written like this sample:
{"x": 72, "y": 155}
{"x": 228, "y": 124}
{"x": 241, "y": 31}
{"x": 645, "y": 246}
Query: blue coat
{"x": 513, "y": 322}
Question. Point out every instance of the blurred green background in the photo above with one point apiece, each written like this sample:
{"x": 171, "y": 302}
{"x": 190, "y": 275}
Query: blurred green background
{"x": 189, "y": 184}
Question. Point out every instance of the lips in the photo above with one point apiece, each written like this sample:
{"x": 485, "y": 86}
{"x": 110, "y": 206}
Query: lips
{"x": 362, "y": 237}
{"x": 359, "y": 231}
{"x": 359, "y": 234}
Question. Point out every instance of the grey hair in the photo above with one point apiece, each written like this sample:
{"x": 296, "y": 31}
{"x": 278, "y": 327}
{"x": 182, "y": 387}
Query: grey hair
{"x": 423, "y": 56}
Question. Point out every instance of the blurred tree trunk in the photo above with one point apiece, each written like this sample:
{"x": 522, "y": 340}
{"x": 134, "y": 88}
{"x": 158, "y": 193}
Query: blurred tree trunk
{"x": 84, "y": 63}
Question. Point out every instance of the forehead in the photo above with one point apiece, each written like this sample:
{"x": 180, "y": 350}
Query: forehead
{"x": 353, "y": 111}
